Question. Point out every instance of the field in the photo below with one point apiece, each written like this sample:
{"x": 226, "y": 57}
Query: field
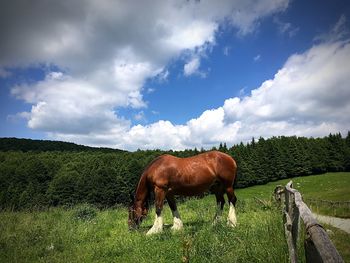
{"x": 84, "y": 234}
{"x": 329, "y": 186}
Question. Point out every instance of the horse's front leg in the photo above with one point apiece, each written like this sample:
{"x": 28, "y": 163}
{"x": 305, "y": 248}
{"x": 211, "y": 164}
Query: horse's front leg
{"x": 177, "y": 225}
{"x": 220, "y": 202}
{"x": 159, "y": 201}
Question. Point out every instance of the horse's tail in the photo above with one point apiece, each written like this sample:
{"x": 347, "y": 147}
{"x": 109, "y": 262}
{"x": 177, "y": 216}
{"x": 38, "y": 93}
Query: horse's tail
{"x": 235, "y": 173}
{"x": 235, "y": 168}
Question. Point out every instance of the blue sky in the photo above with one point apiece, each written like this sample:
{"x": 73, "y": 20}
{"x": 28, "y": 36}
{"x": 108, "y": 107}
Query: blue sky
{"x": 181, "y": 74}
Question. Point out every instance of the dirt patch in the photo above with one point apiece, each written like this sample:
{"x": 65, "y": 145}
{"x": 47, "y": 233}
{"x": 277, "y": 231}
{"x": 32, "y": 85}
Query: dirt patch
{"x": 341, "y": 223}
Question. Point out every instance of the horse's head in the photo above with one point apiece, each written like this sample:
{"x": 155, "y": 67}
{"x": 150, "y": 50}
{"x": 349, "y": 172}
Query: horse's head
{"x": 136, "y": 213}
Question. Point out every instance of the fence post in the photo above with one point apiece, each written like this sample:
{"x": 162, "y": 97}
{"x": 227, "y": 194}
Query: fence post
{"x": 291, "y": 225}
{"x": 318, "y": 247}
{"x": 295, "y": 222}
{"x": 311, "y": 253}
{"x": 289, "y": 237}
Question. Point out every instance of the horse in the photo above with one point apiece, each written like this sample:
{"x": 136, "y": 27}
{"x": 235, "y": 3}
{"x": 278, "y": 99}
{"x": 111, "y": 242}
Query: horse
{"x": 169, "y": 176}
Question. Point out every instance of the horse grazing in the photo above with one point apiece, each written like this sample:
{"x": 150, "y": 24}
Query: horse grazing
{"x": 169, "y": 176}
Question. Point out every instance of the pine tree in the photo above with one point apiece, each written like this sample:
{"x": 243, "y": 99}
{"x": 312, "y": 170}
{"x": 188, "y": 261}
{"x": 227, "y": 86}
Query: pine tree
{"x": 336, "y": 153}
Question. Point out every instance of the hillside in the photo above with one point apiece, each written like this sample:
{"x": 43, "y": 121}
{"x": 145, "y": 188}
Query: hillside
{"x": 26, "y": 145}
{"x": 39, "y": 174}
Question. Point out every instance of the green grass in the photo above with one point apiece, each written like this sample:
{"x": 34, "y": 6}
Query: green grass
{"x": 58, "y": 236}
{"x": 329, "y": 186}
{"x": 81, "y": 234}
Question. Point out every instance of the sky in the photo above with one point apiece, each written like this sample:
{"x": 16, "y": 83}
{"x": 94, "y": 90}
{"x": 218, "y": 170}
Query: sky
{"x": 173, "y": 74}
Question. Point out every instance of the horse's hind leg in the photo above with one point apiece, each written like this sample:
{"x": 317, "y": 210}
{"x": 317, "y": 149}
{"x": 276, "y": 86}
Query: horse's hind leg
{"x": 232, "y": 219}
{"x": 159, "y": 201}
{"x": 177, "y": 219}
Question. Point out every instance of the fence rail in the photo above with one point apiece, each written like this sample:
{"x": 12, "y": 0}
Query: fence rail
{"x": 318, "y": 247}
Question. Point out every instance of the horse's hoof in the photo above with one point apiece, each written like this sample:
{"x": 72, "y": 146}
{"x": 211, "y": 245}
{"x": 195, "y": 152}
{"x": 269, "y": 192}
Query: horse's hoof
{"x": 177, "y": 227}
{"x": 154, "y": 231}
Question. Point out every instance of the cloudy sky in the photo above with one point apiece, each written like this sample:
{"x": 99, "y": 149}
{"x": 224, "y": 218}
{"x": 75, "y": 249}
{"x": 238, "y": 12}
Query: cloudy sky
{"x": 173, "y": 74}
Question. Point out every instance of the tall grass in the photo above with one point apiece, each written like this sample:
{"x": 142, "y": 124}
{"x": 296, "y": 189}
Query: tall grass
{"x": 58, "y": 235}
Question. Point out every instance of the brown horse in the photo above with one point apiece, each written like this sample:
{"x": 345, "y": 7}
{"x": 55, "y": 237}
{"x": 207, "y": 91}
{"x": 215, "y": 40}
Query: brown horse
{"x": 168, "y": 176}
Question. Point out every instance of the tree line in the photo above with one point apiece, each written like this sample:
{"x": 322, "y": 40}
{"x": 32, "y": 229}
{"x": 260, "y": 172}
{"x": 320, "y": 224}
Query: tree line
{"x": 26, "y": 145}
{"x": 32, "y": 179}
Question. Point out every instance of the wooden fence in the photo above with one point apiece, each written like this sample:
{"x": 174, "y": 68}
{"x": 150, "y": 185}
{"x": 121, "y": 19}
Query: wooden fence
{"x": 318, "y": 247}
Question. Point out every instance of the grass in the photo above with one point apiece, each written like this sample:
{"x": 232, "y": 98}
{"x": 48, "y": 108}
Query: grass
{"x": 329, "y": 186}
{"x": 341, "y": 210}
{"x": 81, "y": 234}
{"x": 58, "y": 235}
{"x": 341, "y": 241}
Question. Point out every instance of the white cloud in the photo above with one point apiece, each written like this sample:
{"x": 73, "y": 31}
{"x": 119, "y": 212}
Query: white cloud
{"x": 226, "y": 50}
{"x": 338, "y": 31}
{"x": 308, "y": 96}
{"x": 159, "y": 135}
{"x": 140, "y": 116}
{"x": 16, "y": 118}
{"x": 163, "y": 76}
{"x": 67, "y": 105}
{"x": 85, "y": 35}
{"x": 246, "y": 17}
{"x": 257, "y": 58}
{"x": 192, "y": 66}
{"x": 286, "y": 27}
{"x": 107, "y": 51}
{"x": 210, "y": 129}
{"x": 104, "y": 52}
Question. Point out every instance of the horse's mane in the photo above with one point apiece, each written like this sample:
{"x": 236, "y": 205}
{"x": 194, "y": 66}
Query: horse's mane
{"x": 143, "y": 181}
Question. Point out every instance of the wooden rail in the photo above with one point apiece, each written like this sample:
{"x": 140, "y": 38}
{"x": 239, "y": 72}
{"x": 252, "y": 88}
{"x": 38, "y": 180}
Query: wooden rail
{"x": 318, "y": 247}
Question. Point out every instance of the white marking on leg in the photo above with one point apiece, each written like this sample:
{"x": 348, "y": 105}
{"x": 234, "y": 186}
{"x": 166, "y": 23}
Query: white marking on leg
{"x": 232, "y": 220}
{"x": 157, "y": 226}
{"x": 178, "y": 225}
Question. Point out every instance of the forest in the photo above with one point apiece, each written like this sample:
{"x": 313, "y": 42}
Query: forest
{"x": 40, "y": 174}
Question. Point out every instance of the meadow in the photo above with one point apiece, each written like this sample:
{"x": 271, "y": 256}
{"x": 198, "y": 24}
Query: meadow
{"x": 330, "y": 186}
{"x": 85, "y": 234}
